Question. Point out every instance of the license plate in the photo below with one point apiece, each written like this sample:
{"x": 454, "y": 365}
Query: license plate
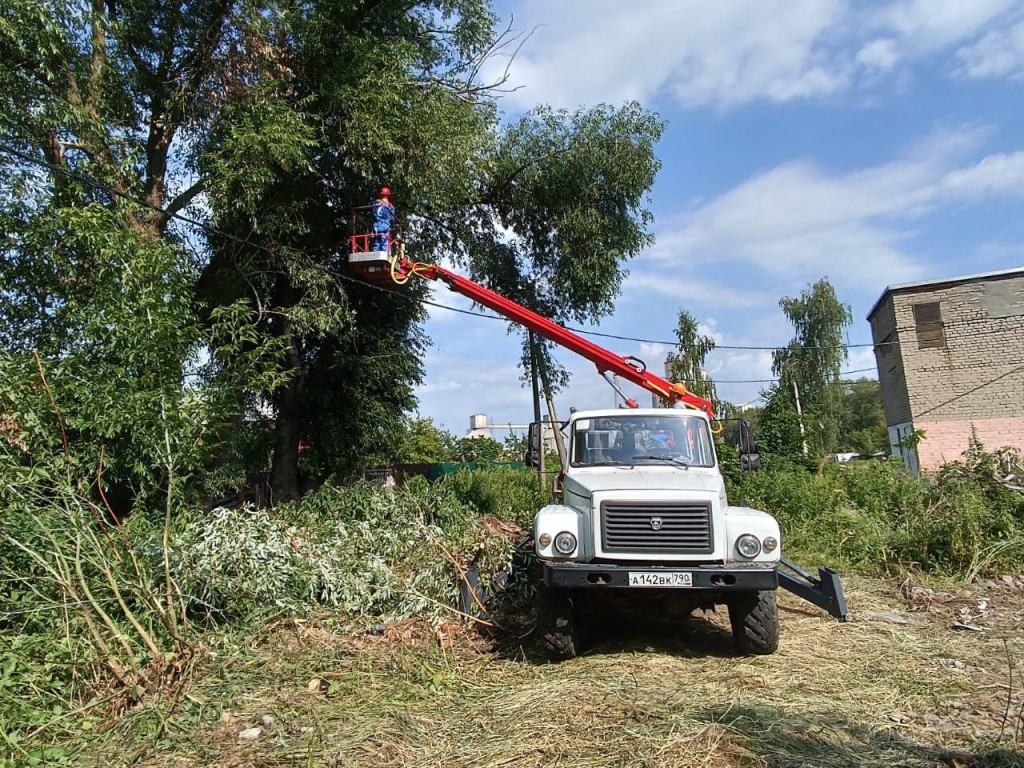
{"x": 669, "y": 579}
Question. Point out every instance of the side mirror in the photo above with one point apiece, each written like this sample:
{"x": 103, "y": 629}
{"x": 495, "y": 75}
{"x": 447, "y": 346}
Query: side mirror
{"x": 750, "y": 461}
{"x": 747, "y": 437}
{"x": 531, "y": 457}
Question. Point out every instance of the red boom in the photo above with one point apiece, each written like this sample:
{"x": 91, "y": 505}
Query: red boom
{"x": 628, "y": 368}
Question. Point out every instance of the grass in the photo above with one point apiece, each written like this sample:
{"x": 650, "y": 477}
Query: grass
{"x": 865, "y": 693}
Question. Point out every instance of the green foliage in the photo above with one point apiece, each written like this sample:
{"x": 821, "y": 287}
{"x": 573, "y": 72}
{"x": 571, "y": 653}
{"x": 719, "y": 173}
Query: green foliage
{"x": 86, "y": 606}
{"x": 361, "y": 549}
{"x": 480, "y": 449}
{"x": 571, "y": 189}
{"x": 778, "y": 430}
{"x": 808, "y": 370}
{"x": 425, "y": 443}
{"x": 502, "y": 492}
{"x": 862, "y": 425}
{"x": 729, "y": 460}
{"x": 874, "y": 516}
{"x": 687, "y": 364}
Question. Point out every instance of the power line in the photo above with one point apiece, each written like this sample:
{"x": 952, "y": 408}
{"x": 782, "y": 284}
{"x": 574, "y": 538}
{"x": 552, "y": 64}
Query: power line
{"x": 772, "y": 381}
{"x": 106, "y": 188}
{"x": 765, "y": 381}
{"x": 101, "y": 187}
{"x": 865, "y": 345}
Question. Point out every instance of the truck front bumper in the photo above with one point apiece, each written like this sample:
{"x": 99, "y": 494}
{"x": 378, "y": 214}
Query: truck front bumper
{"x": 718, "y": 578}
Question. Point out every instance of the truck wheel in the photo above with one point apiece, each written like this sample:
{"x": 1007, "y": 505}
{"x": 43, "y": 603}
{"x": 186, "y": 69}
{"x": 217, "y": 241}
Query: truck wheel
{"x": 556, "y": 622}
{"x": 755, "y": 622}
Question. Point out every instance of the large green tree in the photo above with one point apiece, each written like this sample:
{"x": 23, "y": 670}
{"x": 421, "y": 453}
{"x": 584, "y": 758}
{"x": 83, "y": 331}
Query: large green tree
{"x": 102, "y": 104}
{"x": 354, "y": 95}
{"x": 557, "y": 209}
{"x": 803, "y": 409}
{"x": 271, "y": 121}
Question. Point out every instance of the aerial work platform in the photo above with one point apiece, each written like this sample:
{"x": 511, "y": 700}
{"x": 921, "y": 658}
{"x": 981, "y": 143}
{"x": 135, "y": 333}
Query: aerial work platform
{"x": 374, "y": 266}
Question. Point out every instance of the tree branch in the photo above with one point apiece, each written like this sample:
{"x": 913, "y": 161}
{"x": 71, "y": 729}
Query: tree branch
{"x": 98, "y": 60}
{"x": 167, "y": 116}
{"x": 181, "y": 201}
{"x": 197, "y": 63}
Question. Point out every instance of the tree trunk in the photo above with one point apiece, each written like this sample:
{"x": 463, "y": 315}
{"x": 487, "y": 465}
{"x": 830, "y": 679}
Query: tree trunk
{"x": 284, "y": 473}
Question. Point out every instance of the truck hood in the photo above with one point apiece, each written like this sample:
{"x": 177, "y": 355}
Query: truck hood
{"x": 585, "y": 481}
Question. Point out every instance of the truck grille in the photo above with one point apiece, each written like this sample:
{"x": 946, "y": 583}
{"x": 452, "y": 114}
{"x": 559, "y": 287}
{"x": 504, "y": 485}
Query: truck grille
{"x": 657, "y": 528}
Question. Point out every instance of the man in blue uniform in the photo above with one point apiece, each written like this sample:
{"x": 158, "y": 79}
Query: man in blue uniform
{"x": 383, "y": 219}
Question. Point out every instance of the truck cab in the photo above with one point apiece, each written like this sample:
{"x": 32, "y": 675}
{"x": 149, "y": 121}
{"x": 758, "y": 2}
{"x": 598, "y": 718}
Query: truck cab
{"x": 645, "y": 514}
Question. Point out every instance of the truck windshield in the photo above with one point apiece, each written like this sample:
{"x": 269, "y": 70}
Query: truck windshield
{"x": 628, "y": 439}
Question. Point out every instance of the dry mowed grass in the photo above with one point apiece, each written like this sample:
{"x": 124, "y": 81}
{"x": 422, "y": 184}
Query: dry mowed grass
{"x": 866, "y": 693}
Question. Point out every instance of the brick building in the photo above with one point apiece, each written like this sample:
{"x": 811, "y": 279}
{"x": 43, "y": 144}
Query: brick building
{"x": 950, "y": 357}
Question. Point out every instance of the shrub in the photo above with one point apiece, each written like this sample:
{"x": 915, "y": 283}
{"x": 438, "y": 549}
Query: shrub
{"x": 504, "y": 492}
{"x": 875, "y": 516}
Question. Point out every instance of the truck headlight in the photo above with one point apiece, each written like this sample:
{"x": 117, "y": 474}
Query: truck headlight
{"x": 770, "y": 543}
{"x": 747, "y": 545}
{"x": 565, "y": 543}
{"x": 544, "y": 539}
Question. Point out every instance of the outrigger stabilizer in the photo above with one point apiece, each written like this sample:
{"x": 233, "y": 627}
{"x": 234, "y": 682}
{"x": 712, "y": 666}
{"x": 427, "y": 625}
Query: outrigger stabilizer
{"x": 825, "y": 591}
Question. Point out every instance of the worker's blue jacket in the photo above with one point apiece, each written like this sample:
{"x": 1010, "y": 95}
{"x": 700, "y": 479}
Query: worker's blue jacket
{"x": 383, "y": 216}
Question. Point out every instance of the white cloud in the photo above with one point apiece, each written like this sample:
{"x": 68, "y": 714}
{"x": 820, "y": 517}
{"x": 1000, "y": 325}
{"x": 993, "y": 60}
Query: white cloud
{"x": 994, "y": 175}
{"x": 688, "y": 289}
{"x": 929, "y": 25}
{"x": 798, "y": 221}
{"x": 879, "y": 54}
{"x": 999, "y": 53}
{"x": 703, "y": 52}
{"x": 724, "y": 54}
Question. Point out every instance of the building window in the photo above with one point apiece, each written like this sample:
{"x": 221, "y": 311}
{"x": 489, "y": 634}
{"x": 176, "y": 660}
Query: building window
{"x": 928, "y": 324}
{"x": 884, "y": 347}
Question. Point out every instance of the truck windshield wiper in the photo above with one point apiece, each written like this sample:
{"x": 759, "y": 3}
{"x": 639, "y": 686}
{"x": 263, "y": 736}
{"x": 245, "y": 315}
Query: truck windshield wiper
{"x": 608, "y": 463}
{"x": 676, "y": 462}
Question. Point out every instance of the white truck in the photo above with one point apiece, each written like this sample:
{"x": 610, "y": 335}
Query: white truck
{"x": 644, "y": 508}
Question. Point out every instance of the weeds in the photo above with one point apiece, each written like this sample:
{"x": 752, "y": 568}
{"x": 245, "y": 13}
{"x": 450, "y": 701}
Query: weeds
{"x": 875, "y": 517}
{"x": 86, "y": 619}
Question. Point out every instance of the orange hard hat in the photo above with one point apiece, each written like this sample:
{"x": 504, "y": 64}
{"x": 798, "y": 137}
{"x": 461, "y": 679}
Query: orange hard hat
{"x": 385, "y": 191}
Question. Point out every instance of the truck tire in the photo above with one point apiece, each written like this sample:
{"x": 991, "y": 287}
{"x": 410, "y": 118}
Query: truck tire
{"x": 556, "y": 623}
{"x": 755, "y": 622}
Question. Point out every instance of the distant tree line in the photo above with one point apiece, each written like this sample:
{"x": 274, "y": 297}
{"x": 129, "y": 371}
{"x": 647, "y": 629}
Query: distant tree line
{"x": 810, "y": 411}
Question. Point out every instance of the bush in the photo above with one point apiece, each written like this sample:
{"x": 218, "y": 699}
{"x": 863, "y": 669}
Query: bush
{"x": 876, "y": 517}
{"x": 504, "y": 492}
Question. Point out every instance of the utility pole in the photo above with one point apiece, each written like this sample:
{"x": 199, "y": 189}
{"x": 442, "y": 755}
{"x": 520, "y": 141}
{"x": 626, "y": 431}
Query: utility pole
{"x": 553, "y": 418}
{"x": 536, "y": 409}
{"x": 800, "y": 415}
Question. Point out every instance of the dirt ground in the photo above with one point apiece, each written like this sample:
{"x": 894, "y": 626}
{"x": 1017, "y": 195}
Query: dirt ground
{"x": 917, "y": 677}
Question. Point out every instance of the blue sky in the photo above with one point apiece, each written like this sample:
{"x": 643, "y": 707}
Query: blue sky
{"x": 872, "y": 142}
